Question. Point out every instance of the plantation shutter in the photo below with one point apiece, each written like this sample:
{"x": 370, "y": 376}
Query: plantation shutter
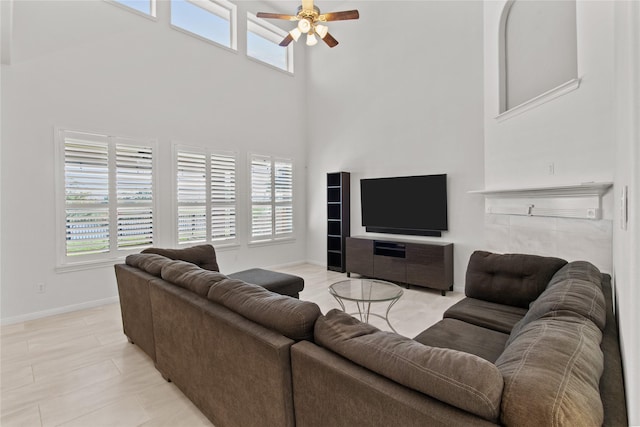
{"x": 283, "y": 197}
{"x": 223, "y": 197}
{"x": 192, "y": 197}
{"x": 86, "y": 180}
{"x": 271, "y": 198}
{"x": 108, "y": 195}
{"x": 261, "y": 198}
{"x": 134, "y": 184}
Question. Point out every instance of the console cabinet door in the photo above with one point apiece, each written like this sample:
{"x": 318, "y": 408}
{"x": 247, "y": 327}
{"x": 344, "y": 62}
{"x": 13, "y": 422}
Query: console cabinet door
{"x": 389, "y": 268}
{"x": 430, "y": 266}
{"x": 360, "y": 256}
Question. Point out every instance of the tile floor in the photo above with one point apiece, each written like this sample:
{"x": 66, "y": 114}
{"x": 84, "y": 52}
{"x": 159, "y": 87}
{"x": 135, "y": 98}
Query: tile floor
{"x": 77, "y": 369}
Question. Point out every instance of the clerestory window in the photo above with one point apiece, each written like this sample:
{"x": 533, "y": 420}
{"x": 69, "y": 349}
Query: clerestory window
{"x": 263, "y": 44}
{"x": 210, "y": 20}
{"x": 146, "y": 7}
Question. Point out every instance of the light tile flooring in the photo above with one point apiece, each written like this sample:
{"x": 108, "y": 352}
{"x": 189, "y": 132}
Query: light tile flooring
{"x": 77, "y": 369}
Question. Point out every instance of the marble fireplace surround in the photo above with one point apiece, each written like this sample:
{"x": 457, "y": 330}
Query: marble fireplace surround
{"x": 568, "y": 222}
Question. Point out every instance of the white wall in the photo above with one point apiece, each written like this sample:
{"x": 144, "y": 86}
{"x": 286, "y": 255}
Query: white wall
{"x": 90, "y": 65}
{"x": 564, "y": 141}
{"x": 400, "y": 95}
{"x": 574, "y": 132}
{"x": 627, "y": 174}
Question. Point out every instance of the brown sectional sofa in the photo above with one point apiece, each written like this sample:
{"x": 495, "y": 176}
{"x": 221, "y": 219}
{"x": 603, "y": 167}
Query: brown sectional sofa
{"x": 225, "y": 343}
{"x": 534, "y": 343}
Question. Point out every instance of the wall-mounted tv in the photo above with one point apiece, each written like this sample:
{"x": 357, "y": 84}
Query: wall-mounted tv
{"x": 413, "y": 205}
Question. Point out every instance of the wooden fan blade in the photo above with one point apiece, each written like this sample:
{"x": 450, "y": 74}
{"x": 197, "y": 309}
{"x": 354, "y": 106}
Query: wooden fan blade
{"x": 307, "y": 4}
{"x": 340, "y": 16}
{"x": 330, "y": 41}
{"x": 276, "y": 16}
{"x": 286, "y": 40}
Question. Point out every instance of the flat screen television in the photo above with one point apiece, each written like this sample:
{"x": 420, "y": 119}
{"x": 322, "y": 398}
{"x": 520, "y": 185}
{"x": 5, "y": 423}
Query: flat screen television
{"x": 412, "y": 205}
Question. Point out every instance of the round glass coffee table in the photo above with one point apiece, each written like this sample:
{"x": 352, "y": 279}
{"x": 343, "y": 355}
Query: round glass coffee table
{"x": 364, "y": 292}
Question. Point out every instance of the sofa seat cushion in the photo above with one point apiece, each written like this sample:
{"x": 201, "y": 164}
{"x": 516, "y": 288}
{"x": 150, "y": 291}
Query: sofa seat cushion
{"x": 551, "y": 372}
{"x": 498, "y": 317}
{"x": 189, "y": 276}
{"x": 459, "y": 379}
{"x": 289, "y": 316}
{"x": 151, "y": 263}
{"x": 458, "y": 335}
{"x": 204, "y": 256}
{"x": 511, "y": 279}
{"x": 280, "y": 283}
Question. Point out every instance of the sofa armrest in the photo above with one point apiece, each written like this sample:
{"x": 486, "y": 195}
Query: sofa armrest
{"x": 460, "y": 379}
{"x": 330, "y": 390}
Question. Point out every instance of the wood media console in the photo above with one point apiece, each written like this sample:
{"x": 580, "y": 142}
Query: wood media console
{"x": 426, "y": 264}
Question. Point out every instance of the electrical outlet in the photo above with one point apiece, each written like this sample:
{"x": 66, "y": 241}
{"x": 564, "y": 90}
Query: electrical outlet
{"x": 41, "y": 288}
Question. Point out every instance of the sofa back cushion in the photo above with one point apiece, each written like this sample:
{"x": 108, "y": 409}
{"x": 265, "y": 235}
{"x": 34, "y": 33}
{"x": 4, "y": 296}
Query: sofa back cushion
{"x": 190, "y": 276}
{"x": 511, "y": 279}
{"x": 581, "y": 270}
{"x": 576, "y": 294}
{"x": 151, "y": 263}
{"x": 551, "y": 371}
{"x": 289, "y": 316}
{"x": 460, "y": 379}
{"x": 204, "y": 256}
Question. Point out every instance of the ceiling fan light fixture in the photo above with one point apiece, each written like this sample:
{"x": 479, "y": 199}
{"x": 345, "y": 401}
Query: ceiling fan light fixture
{"x": 311, "y": 39}
{"x": 304, "y": 25}
{"x": 321, "y": 30}
{"x": 295, "y": 33}
{"x": 309, "y": 21}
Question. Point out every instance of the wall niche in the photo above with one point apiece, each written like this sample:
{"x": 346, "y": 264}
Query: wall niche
{"x": 538, "y": 52}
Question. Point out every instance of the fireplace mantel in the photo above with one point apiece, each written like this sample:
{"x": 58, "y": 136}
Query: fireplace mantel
{"x": 564, "y": 201}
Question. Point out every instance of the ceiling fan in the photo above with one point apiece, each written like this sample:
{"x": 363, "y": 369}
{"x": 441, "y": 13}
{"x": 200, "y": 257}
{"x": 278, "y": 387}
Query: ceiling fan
{"x": 310, "y": 23}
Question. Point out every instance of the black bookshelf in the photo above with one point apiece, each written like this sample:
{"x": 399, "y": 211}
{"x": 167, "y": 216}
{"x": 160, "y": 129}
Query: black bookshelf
{"x": 338, "y": 219}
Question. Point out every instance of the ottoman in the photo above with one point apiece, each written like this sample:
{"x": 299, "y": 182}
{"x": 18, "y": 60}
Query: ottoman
{"x": 281, "y": 283}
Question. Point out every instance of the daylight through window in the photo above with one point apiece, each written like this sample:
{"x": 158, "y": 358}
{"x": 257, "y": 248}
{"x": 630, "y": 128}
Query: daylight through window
{"x": 206, "y": 196}
{"x": 263, "y": 40}
{"x": 212, "y": 20}
{"x": 271, "y": 198}
{"x": 148, "y": 7}
{"x": 108, "y": 204}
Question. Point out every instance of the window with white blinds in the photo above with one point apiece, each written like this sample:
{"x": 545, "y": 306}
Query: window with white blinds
{"x": 271, "y": 198}
{"x": 206, "y": 196}
{"x": 108, "y": 203}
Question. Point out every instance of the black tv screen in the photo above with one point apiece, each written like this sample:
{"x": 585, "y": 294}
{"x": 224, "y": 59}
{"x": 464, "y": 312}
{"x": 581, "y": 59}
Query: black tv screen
{"x": 415, "y": 205}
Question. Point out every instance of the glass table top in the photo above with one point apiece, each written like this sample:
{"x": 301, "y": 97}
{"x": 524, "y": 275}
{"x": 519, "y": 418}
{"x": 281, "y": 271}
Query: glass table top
{"x": 368, "y": 290}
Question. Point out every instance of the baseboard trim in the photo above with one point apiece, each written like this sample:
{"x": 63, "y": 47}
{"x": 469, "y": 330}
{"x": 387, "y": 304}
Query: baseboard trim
{"x": 59, "y": 310}
{"x": 287, "y": 264}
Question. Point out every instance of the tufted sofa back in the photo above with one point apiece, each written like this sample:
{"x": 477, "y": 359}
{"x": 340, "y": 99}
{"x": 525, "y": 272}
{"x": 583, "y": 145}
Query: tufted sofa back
{"x": 204, "y": 256}
{"x": 511, "y": 279}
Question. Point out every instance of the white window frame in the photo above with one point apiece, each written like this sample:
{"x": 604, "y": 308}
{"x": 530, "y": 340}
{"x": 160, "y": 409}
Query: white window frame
{"x": 272, "y": 33}
{"x": 273, "y": 237}
{"x": 223, "y": 9}
{"x": 209, "y": 204}
{"x": 153, "y": 8}
{"x": 113, "y": 254}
